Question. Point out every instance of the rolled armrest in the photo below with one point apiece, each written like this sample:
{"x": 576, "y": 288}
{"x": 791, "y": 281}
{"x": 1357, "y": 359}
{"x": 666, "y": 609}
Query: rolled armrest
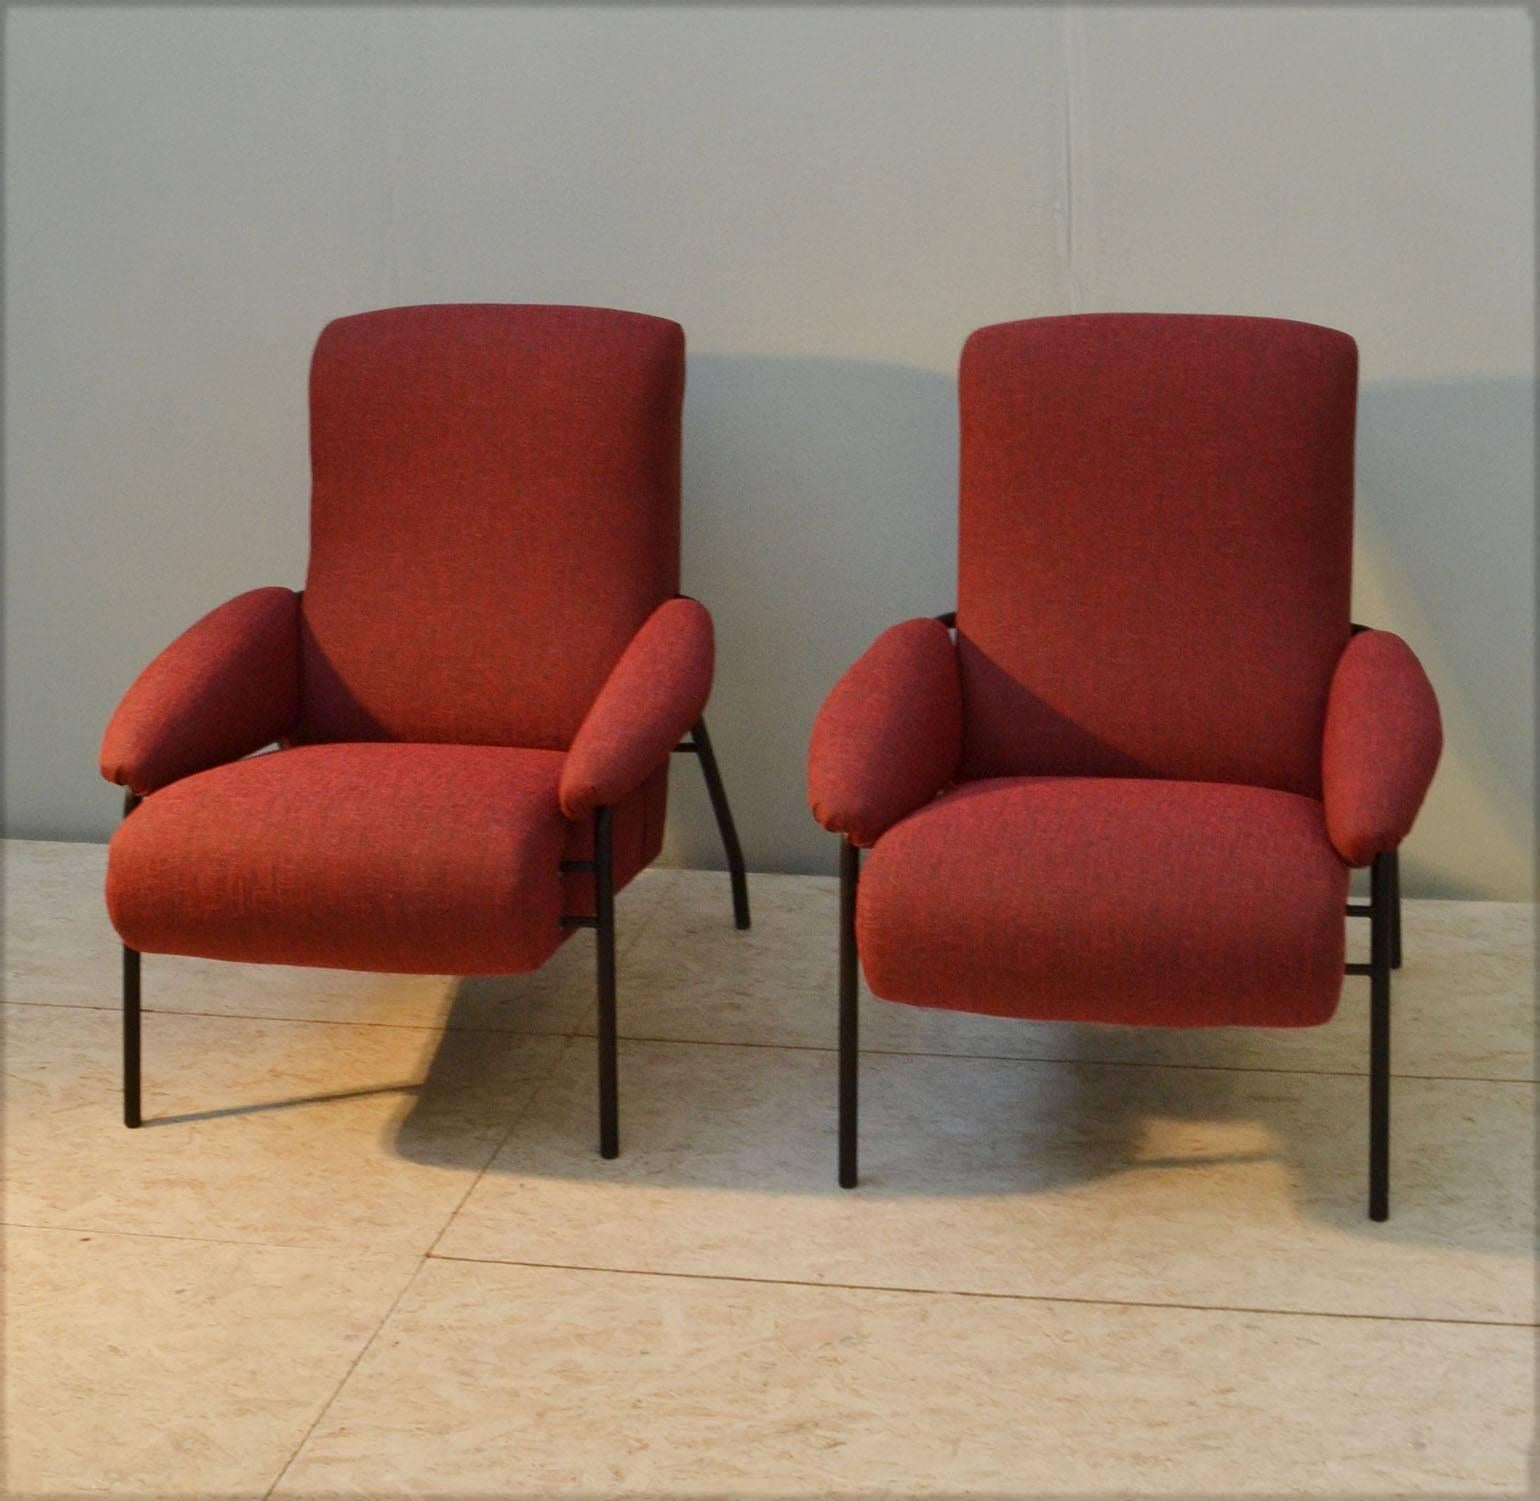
{"x": 224, "y": 688}
{"x": 1382, "y": 743}
{"x": 652, "y": 697}
{"x": 889, "y": 735}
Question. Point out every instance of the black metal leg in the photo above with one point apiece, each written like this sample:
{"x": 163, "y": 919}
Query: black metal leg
{"x": 850, "y": 996}
{"x": 1381, "y": 927}
{"x": 735, "y": 868}
{"x": 1394, "y": 857}
{"x": 604, "y": 915}
{"x": 131, "y": 1114}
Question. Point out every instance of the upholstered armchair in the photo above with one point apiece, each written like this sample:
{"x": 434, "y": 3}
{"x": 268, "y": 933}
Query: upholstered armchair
{"x": 1126, "y": 782}
{"x": 475, "y": 699}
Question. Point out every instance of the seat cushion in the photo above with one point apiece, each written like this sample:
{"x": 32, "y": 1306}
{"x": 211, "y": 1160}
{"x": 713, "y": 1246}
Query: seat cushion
{"x": 409, "y": 859}
{"x": 1135, "y": 901}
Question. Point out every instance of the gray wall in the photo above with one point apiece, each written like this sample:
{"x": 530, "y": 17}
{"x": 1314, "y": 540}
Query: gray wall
{"x": 828, "y": 199}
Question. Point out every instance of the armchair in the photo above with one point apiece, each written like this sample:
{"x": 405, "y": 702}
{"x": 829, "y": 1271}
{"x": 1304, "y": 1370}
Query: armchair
{"x": 474, "y": 701}
{"x": 1125, "y": 783}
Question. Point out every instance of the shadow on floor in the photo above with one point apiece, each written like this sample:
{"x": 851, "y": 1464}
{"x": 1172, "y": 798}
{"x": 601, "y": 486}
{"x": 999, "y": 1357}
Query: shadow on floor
{"x": 739, "y": 1117}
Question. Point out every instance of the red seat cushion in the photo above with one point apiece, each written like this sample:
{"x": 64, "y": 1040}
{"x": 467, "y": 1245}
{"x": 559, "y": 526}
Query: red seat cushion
{"x": 409, "y": 859}
{"x": 1109, "y": 900}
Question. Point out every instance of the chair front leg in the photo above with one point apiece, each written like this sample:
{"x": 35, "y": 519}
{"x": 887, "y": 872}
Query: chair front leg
{"x": 1382, "y": 927}
{"x": 131, "y": 1108}
{"x": 602, "y": 867}
{"x": 849, "y": 1012}
{"x": 132, "y": 1116}
{"x": 609, "y": 1045}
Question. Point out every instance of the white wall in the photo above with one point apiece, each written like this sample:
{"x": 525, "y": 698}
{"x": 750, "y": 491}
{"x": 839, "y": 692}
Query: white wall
{"x": 1372, "y": 169}
{"x": 828, "y": 199}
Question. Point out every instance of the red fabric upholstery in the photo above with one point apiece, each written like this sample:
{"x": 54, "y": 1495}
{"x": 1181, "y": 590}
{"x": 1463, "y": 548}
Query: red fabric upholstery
{"x": 655, "y": 693}
{"x": 889, "y": 735}
{"x": 1155, "y": 546}
{"x": 225, "y": 687}
{"x": 1153, "y": 584}
{"x": 409, "y": 859}
{"x": 495, "y": 513}
{"x": 495, "y": 518}
{"x": 1109, "y": 900}
{"x": 1382, "y": 744}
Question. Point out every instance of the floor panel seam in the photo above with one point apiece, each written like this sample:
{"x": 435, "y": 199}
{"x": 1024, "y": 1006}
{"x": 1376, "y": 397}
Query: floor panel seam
{"x": 423, "y": 1259}
{"x": 502, "y": 1141}
{"x": 346, "y": 1376}
{"x": 950, "y": 1292}
{"x": 304, "y": 1021}
{"x": 1218, "y": 1068}
{"x": 312, "y": 1247}
{"x": 577, "y": 1032}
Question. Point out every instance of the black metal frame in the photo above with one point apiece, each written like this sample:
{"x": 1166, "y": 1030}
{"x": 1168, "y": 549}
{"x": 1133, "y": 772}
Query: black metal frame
{"x": 131, "y": 1113}
{"x": 1383, "y": 909}
{"x": 602, "y": 921}
{"x": 850, "y": 1011}
{"x": 1384, "y": 913}
{"x": 699, "y": 745}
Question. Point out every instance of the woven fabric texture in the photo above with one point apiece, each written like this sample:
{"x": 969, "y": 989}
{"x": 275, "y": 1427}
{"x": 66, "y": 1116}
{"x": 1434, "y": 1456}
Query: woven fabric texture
{"x": 889, "y": 735}
{"x": 494, "y": 514}
{"x": 1382, "y": 746}
{"x": 227, "y": 686}
{"x": 1155, "y": 546}
{"x": 655, "y": 693}
{"x": 495, "y": 552}
{"x": 1109, "y": 899}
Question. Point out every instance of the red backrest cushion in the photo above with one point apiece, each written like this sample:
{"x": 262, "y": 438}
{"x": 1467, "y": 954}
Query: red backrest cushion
{"x": 1155, "y": 546}
{"x": 495, "y": 512}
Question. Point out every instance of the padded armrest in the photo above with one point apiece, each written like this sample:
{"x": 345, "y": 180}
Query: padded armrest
{"x": 652, "y": 697}
{"x": 889, "y": 735}
{"x": 1382, "y": 743}
{"x": 224, "y": 688}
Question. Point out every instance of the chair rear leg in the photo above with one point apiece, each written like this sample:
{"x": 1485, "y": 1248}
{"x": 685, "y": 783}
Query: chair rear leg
{"x": 701, "y": 744}
{"x": 1381, "y": 928}
{"x": 849, "y": 1013}
{"x": 131, "y": 1111}
{"x": 609, "y": 1046}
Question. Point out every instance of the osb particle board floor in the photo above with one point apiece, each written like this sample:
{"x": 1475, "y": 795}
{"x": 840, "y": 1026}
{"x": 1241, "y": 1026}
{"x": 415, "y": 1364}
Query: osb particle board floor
{"x": 364, "y": 1245}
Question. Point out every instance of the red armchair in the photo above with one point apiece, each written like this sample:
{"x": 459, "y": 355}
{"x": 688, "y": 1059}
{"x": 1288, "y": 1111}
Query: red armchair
{"x": 1131, "y": 787}
{"x": 477, "y": 695}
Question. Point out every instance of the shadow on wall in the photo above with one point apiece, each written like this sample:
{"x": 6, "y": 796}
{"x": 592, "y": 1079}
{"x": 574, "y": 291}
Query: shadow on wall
{"x": 820, "y": 507}
{"x": 1446, "y": 558}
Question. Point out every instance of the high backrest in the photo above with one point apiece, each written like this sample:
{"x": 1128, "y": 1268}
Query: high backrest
{"x": 1155, "y": 547}
{"x": 494, "y": 513}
